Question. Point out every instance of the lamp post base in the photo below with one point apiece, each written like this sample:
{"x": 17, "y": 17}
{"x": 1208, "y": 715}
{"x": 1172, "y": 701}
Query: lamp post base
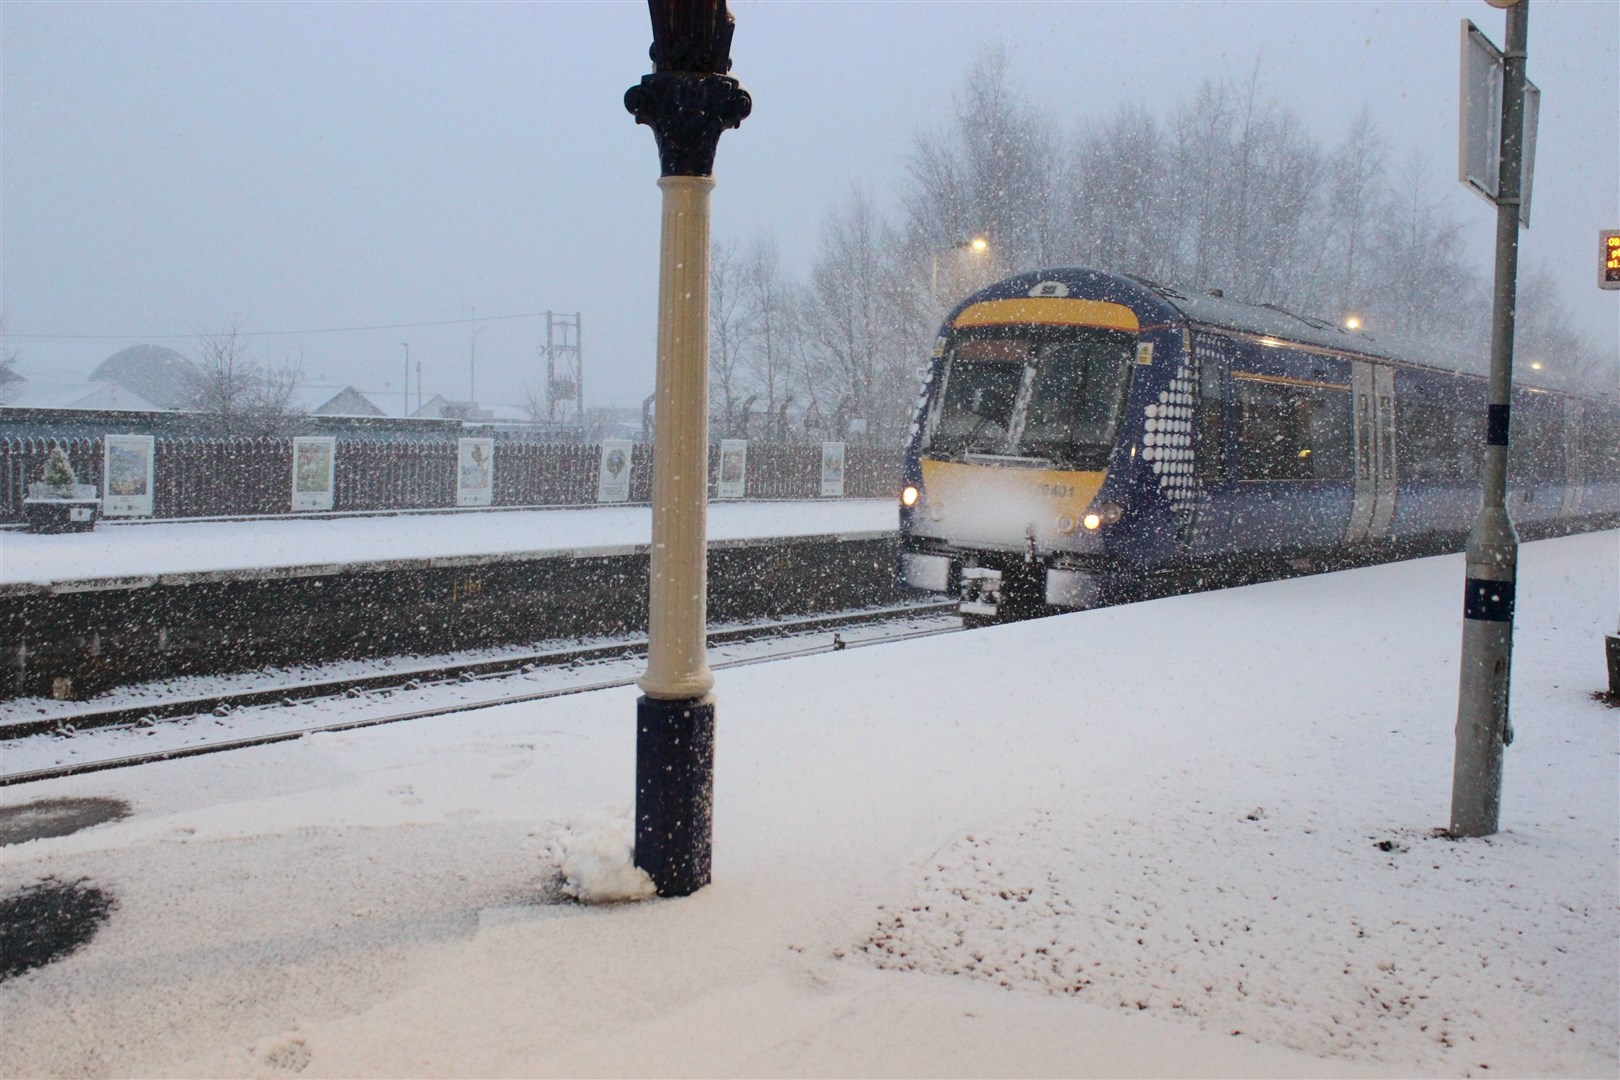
{"x": 675, "y": 792}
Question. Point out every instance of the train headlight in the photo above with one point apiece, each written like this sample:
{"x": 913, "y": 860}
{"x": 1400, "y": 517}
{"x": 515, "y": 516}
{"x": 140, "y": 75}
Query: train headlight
{"x": 909, "y": 496}
{"x": 1106, "y": 514}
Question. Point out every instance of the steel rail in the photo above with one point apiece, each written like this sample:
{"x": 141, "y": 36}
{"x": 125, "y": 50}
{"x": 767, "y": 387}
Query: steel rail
{"x": 79, "y": 768}
{"x": 182, "y": 708}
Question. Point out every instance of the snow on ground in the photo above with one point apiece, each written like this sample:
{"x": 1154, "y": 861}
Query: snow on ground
{"x": 146, "y": 549}
{"x": 1187, "y": 837}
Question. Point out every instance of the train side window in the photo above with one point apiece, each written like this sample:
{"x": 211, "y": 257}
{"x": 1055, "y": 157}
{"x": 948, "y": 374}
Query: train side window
{"x": 1426, "y": 441}
{"x": 1211, "y": 420}
{"x": 1600, "y": 442}
{"x": 1293, "y": 432}
{"x": 1536, "y": 453}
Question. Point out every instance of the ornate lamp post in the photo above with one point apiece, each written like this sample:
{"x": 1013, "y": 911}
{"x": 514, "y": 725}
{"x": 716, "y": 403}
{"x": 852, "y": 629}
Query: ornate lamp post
{"x": 687, "y": 101}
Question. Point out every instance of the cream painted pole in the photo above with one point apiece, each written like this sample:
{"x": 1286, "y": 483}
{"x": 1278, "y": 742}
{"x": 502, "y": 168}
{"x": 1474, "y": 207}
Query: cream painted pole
{"x": 688, "y": 101}
{"x": 677, "y": 661}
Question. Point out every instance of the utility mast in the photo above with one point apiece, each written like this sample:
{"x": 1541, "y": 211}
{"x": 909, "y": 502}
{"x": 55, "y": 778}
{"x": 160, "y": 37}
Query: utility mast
{"x": 565, "y": 371}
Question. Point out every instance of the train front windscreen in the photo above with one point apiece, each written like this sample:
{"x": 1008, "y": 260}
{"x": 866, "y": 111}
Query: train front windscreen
{"x": 1054, "y": 398}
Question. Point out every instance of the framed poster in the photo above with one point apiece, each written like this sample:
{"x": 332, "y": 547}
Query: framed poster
{"x": 613, "y": 477}
{"x": 475, "y": 472}
{"x": 832, "y": 470}
{"x": 313, "y": 459}
{"x": 733, "y": 480}
{"x": 126, "y": 476}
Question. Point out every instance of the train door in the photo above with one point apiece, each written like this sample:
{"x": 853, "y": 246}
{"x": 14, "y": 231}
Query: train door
{"x": 1574, "y": 477}
{"x": 1373, "y": 510}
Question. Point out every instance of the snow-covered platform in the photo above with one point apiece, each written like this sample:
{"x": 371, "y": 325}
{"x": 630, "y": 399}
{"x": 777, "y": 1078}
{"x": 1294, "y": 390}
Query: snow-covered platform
{"x": 139, "y": 554}
{"x": 1188, "y": 837}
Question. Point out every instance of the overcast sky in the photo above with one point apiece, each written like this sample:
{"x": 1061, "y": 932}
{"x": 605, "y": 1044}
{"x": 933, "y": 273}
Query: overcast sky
{"x": 294, "y": 167}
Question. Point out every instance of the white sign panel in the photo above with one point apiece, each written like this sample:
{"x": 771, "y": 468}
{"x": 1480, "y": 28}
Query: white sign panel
{"x": 832, "y": 469}
{"x": 733, "y": 480}
{"x": 475, "y": 472}
{"x": 314, "y": 458}
{"x": 1479, "y": 146}
{"x": 126, "y": 476}
{"x": 613, "y": 477}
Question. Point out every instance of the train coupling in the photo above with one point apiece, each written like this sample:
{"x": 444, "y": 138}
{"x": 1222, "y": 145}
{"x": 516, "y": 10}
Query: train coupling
{"x": 981, "y": 591}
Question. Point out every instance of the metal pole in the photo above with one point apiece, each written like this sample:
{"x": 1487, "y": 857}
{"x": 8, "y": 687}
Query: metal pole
{"x": 472, "y": 377}
{"x": 688, "y": 101}
{"x": 1483, "y": 726}
{"x": 407, "y": 384}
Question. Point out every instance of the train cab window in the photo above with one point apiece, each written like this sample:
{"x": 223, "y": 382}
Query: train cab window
{"x": 1056, "y": 396}
{"x": 981, "y": 388}
{"x": 1076, "y": 395}
{"x": 1290, "y": 431}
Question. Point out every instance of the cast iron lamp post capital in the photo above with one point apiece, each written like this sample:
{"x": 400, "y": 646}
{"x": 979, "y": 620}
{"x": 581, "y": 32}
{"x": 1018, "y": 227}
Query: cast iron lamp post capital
{"x": 687, "y": 111}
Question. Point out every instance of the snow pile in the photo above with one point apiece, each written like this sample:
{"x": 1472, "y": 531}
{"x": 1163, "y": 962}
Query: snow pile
{"x": 598, "y": 864}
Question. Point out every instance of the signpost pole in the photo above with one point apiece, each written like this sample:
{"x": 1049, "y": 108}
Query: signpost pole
{"x": 1483, "y": 726}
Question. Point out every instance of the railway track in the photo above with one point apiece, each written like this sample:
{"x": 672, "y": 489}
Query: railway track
{"x": 766, "y": 642}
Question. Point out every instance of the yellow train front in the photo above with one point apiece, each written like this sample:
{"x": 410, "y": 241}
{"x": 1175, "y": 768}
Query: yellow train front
{"x": 1083, "y": 438}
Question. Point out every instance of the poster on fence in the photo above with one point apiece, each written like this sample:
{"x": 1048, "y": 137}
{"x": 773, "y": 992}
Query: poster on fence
{"x": 733, "y": 480}
{"x": 832, "y": 470}
{"x": 313, "y": 460}
{"x": 475, "y": 472}
{"x": 126, "y": 476}
{"x": 613, "y": 478}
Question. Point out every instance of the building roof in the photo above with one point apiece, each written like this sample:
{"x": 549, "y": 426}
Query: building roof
{"x": 161, "y": 376}
{"x": 101, "y": 396}
{"x": 334, "y": 401}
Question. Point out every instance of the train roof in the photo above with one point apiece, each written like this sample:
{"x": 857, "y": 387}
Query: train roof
{"x": 1166, "y": 303}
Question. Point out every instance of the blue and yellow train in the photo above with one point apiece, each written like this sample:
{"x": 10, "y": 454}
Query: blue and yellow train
{"x": 1084, "y": 438}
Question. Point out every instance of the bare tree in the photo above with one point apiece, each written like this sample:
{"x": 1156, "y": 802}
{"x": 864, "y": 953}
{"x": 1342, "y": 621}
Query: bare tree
{"x": 771, "y": 312}
{"x": 9, "y": 376}
{"x": 1355, "y": 201}
{"x": 728, "y": 334}
{"x": 1422, "y": 274}
{"x": 240, "y": 395}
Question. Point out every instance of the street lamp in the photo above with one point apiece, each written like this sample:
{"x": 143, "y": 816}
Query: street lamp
{"x": 688, "y": 101}
{"x": 976, "y": 245}
{"x": 406, "y": 386}
{"x": 472, "y": 384}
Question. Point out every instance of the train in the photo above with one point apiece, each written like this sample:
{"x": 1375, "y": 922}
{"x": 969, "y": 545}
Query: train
{"x": 1085, "y": 438}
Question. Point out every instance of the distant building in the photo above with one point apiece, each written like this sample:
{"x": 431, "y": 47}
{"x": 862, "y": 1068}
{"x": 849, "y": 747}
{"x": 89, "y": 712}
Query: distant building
{"x": 99, "y": 396}
{"x": 334, "y": 401}
{"x": 438, "y": 407}
{"x": 157, "y": 375}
